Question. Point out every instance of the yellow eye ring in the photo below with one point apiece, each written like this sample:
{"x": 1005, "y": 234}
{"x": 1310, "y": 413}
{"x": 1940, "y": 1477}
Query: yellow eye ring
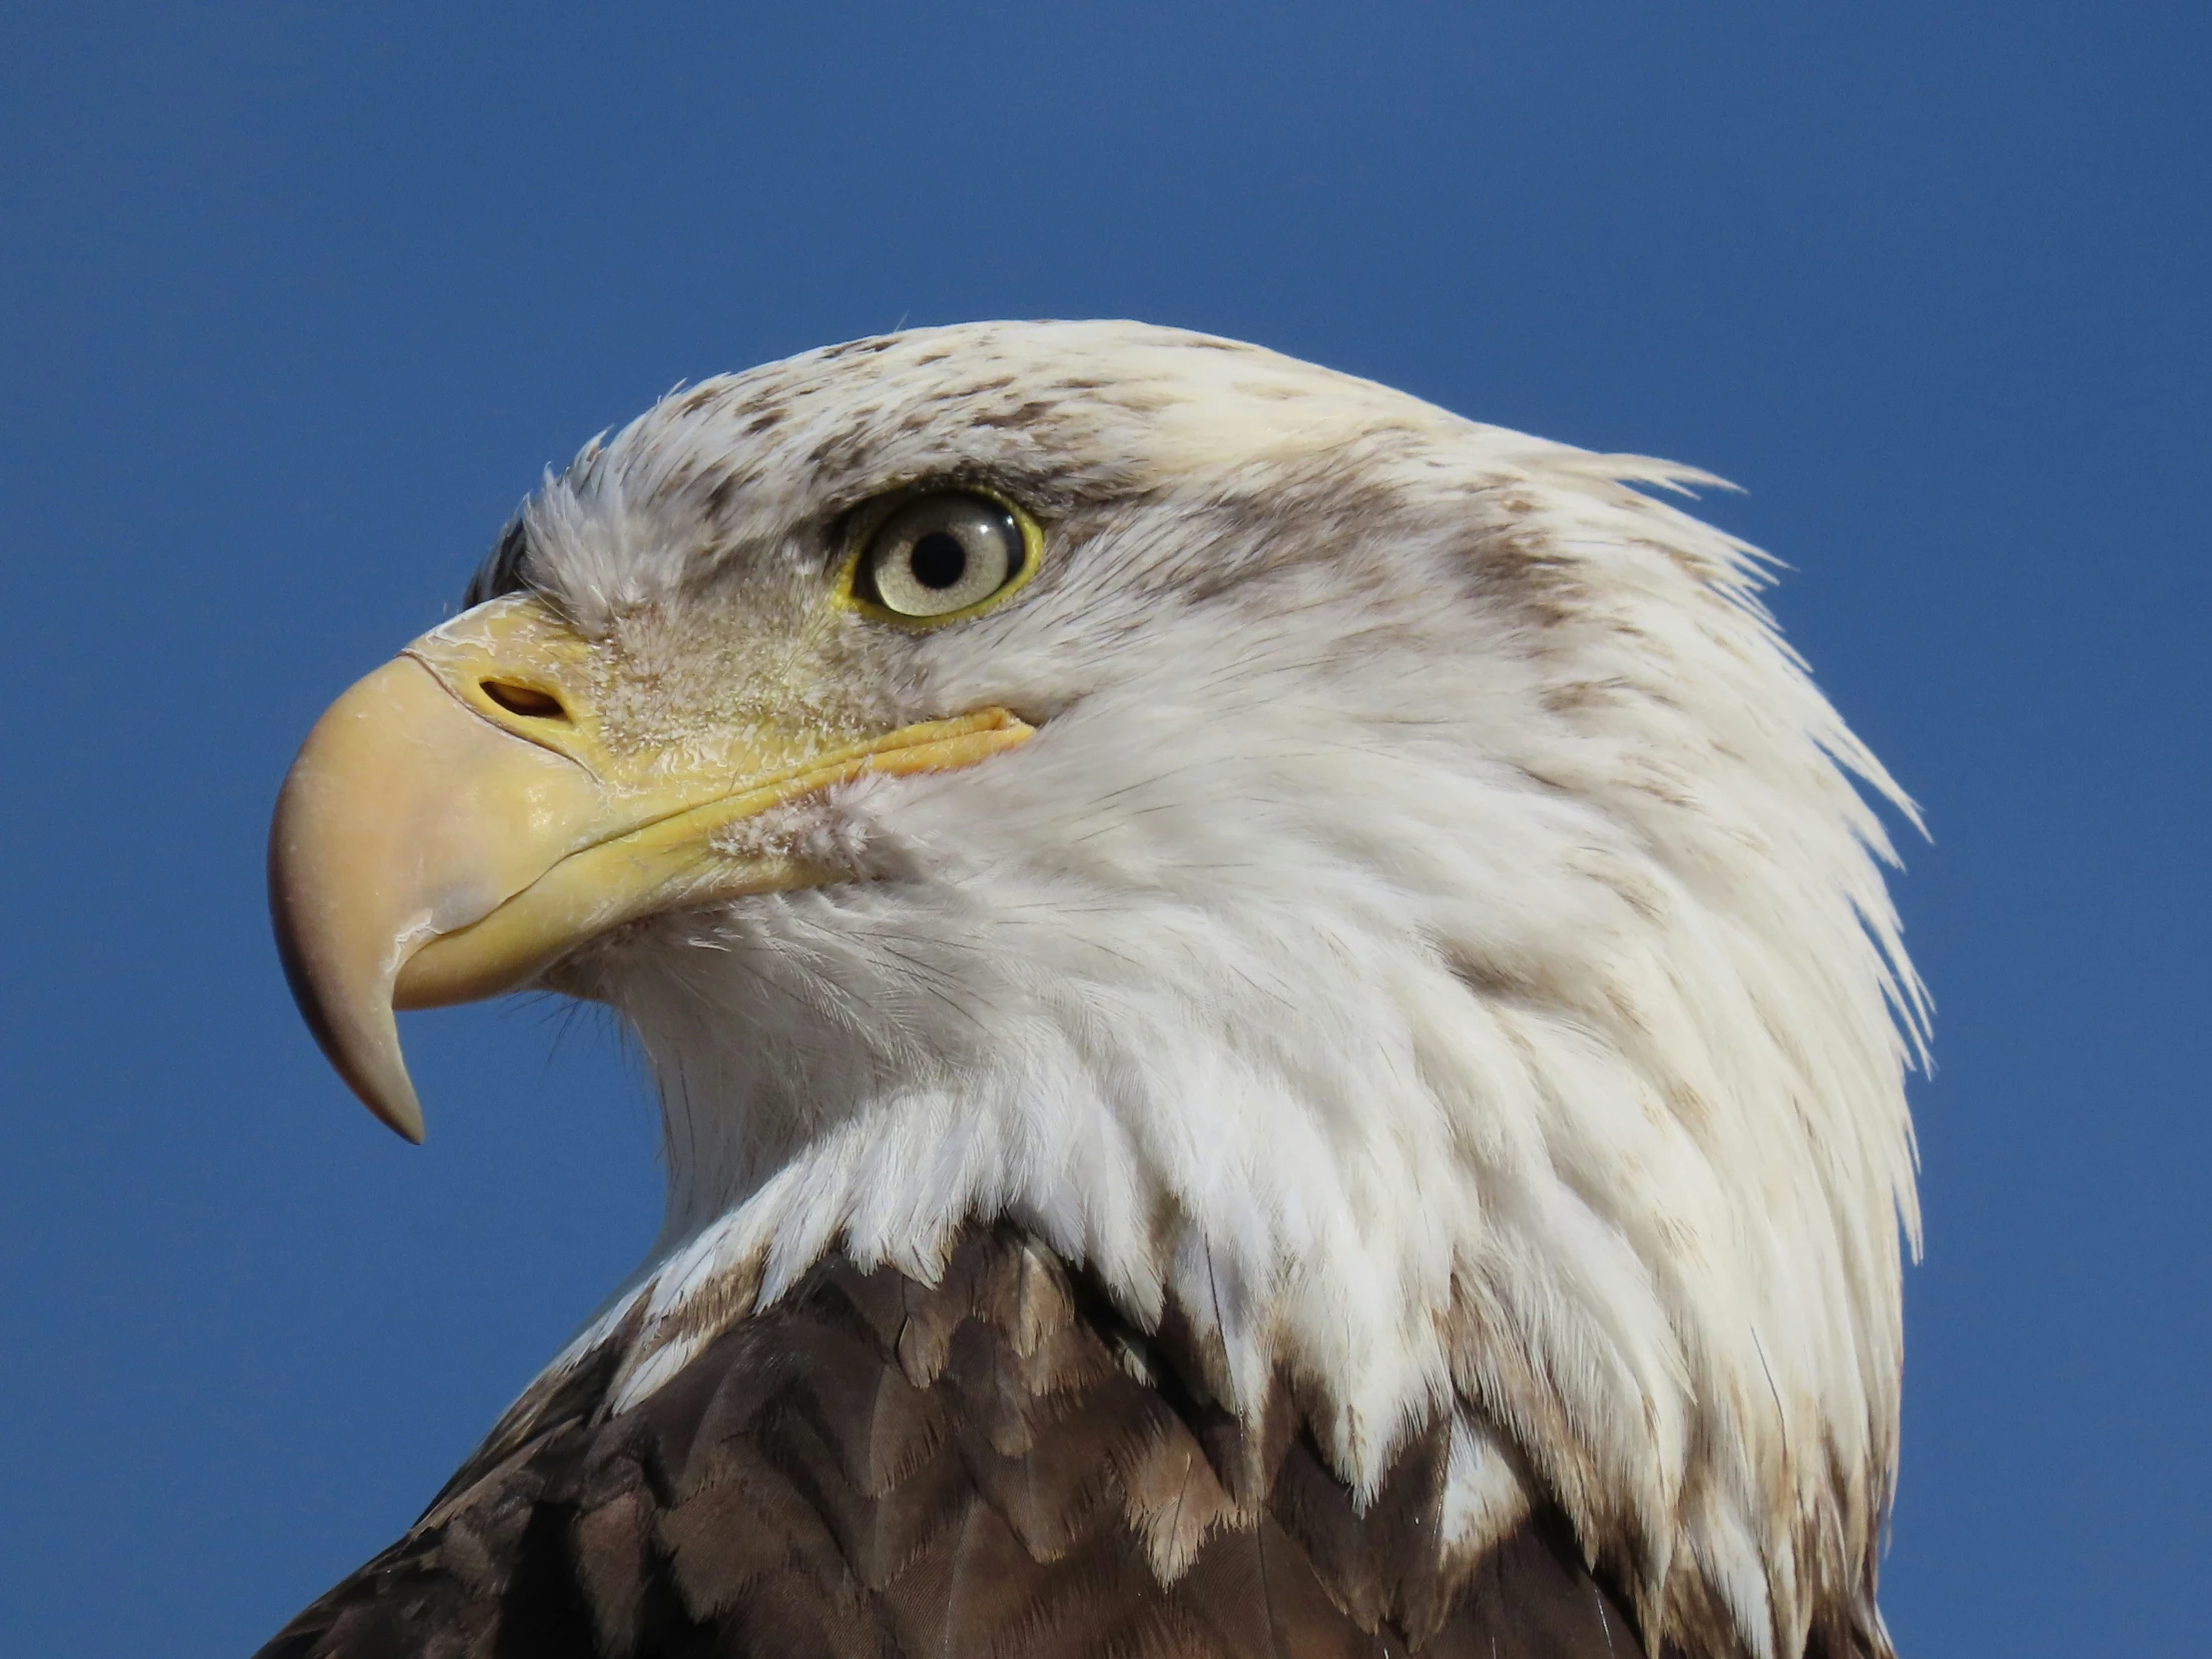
{"x": 924, "y": 557}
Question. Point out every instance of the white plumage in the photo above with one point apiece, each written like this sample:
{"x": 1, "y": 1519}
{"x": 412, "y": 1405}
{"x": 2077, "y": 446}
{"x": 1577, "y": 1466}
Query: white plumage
{"x": 1278, "y": 1021}
{"x": 1433, "y": 937}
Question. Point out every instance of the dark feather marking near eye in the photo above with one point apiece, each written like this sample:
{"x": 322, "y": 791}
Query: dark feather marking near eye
{"x": 1580, "y": 696}
{"x": 500, "y": 574}
{"x": 1525, "y": 568}
{"x": 1287, "y": 523}
{"x": 1031, "y": 413}
{"x": 843, "y": 450}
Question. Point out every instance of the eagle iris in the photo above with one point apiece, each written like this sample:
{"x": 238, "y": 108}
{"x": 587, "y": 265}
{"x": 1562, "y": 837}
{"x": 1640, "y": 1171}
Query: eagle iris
{"x": 942, "y": 554}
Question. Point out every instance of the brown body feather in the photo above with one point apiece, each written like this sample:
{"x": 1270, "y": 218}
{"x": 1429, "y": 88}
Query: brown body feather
{"x": 990, "y": 1468}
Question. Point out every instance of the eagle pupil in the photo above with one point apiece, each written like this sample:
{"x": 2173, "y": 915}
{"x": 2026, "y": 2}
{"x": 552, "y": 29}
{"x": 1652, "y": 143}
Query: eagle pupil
{"x": 938, "y": 560}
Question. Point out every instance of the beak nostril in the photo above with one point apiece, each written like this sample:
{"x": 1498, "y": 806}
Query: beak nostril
{"x": 526, "y": 700}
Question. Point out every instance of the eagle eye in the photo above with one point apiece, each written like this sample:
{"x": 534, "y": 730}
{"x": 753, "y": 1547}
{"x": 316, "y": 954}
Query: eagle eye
{"x": 942, "y": 554}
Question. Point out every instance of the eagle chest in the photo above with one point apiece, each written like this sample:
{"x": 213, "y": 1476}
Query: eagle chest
{"x": 994, "y": 1464}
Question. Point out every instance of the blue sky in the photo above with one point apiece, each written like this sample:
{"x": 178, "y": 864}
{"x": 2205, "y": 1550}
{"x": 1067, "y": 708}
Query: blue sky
{"x": 296, "y": 302}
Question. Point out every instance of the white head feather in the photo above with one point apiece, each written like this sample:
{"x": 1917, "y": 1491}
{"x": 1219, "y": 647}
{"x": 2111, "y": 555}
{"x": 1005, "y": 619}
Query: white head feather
{"x": 1433, "y": 940}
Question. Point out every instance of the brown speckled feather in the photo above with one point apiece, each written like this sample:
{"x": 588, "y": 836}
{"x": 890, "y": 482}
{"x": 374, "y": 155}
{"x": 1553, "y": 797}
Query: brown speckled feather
{"x": 991, "y": 1468}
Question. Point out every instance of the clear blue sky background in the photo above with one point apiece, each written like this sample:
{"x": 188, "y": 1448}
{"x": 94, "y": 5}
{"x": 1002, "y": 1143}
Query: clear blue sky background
{"x": 296, "y": 302}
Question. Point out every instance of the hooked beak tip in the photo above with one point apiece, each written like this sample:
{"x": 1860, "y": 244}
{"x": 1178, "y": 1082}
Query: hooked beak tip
{"x": 368, "y": 1057}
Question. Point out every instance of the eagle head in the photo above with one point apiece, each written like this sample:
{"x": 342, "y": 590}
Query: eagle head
{"x": 1372, "y": 891}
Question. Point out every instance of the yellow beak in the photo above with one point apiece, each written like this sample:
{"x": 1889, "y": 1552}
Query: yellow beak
{"x": 458, "y": 822}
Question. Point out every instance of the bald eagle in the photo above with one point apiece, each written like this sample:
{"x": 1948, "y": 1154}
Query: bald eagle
{"x": 1277, "y": 1022}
